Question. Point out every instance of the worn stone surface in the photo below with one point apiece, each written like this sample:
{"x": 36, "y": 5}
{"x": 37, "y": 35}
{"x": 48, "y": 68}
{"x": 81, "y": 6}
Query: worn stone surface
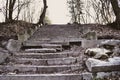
{"x": 57, "y": 32}
{"x": 41, "y": 50}
{"x": 51, "y": 46}
{"x": 54, "y": 61}
{"x": 39, "y": 42}
{"x": 13, "y": 45}
{"x": 62, "y": 61}
{"x": 28, "y": 69}
{"x": 42, "y": 55}
{"x": 47, "y": 55}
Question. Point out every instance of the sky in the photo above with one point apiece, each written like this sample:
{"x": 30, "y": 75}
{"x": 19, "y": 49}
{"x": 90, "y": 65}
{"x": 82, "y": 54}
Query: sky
{"x": 58, "y": 11}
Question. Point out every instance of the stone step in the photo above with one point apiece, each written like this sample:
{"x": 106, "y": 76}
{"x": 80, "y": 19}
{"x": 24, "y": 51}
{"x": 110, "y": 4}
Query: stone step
{"x": 54, "y": 46}
{"x": 54, "y": 61}
{"x": 41, "y": 50}
{"x": 32, "y": 69}
{"x": 45, "y": 45}
{"x": 38, "y": 43}
{"x": 42, "y": 77}
{"x": 46, "y": 55}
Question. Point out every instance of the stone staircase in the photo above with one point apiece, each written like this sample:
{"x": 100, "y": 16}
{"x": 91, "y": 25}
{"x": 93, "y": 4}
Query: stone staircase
{"x": 43, "y": 62}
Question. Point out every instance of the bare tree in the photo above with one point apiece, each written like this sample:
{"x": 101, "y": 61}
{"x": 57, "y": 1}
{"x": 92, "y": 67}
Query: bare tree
{"x": 42, "y": 16}
{"x": 9, "y": 9}
{"x": 116, "y": 9}
{"x": 97, "y": 11}
{"x": 6, "y": 15}
{"x": 75, "y": 9}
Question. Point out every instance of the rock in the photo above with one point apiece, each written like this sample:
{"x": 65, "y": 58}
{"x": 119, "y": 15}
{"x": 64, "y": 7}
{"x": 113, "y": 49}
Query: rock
{"x": 87, "y": 76}
{"x": 110, "y": 44}
{"x": 4, "y": 54}
{"x": 98, "y": 53}
{"x": 13, "y": 45}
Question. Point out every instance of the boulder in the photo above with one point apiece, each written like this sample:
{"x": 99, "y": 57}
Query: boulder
{"x": 98, "y": 53}
{"x": 4, "y": 54}
{"x": 110, "y": 44}
{"x": 13, "y": 45}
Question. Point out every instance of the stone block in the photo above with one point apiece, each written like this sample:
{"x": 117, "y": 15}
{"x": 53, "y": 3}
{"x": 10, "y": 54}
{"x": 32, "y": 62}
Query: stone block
{"x": 90, "y": 43}
{"x": 90, "y": 35}
{"x": 94, "y": 65}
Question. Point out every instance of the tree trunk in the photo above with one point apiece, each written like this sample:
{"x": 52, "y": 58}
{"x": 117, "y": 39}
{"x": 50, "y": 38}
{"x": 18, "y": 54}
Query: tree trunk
{"x": 11, "y": 6}
{"x": 6, "y": 15}
{"x": 42, "y": 16}
{"x": 116, "y": 10}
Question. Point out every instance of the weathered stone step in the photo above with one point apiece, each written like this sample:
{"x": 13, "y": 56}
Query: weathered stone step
{"x": 46, "y": 45}
{"x": 38, "y": 43}
{"x": 46, "y": 55}
{"x": 54, "y": 46}
{"x": 42, "y": 77}
{"x": 41, "y": 50}
{"x": 54, "y": 61}
{"x": 30, "y": 69}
